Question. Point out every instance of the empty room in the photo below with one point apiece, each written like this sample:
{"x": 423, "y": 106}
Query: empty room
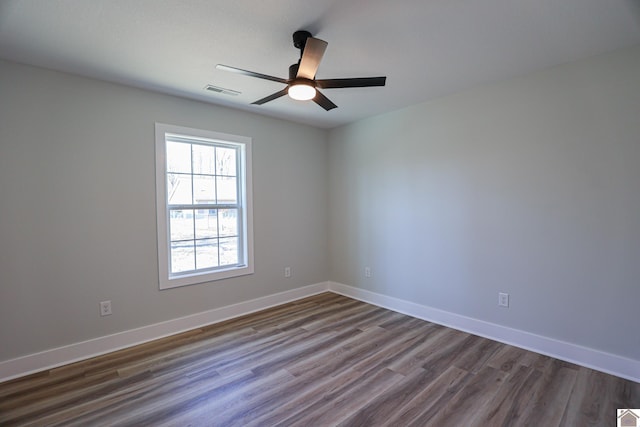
{"x": 329, "y": 213}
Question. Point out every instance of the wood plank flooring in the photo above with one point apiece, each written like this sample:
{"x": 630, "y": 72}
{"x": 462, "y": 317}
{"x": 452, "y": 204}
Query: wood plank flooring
{"x": 326, "y": 360}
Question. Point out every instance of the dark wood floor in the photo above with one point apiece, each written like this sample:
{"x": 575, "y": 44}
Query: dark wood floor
{"x": 322, "y": 361}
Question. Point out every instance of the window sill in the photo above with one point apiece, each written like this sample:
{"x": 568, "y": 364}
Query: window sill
{"x": 196, "y": 278}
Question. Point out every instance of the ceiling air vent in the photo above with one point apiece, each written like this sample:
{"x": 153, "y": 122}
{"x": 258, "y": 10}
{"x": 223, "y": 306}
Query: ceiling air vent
{"x": 221, "y": 90}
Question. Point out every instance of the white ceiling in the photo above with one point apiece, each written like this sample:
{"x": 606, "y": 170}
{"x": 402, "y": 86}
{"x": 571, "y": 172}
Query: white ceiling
{"x": 426, "y": 48}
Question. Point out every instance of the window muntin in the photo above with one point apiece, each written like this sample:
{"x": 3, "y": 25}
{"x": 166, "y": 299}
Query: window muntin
{"x": 204, "y": 215}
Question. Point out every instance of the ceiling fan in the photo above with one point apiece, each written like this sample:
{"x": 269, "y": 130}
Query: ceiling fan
{"x": 302, "y": 84}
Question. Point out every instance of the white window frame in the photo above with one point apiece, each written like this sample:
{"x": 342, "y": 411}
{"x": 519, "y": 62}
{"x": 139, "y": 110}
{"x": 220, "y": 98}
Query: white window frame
{"x": 166, "y": 279}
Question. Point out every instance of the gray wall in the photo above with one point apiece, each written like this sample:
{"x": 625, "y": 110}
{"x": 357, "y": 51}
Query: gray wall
{"x": 77, "y": 208}
{"x": 529, "y": 186}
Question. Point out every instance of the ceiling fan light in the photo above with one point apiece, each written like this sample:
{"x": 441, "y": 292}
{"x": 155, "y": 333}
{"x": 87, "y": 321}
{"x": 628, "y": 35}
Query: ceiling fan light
{"x": 302, "y": 91}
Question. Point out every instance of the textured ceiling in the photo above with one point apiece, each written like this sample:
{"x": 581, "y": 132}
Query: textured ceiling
{"x": 426, "y": 48}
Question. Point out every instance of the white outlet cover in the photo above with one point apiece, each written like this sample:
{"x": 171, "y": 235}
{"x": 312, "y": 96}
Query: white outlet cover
{"x": 105, "y": 308}
{"x": 503, "y": 299}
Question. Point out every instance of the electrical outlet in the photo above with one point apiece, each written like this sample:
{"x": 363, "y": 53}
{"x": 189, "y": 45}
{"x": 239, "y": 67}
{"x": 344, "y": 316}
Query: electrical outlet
{"x": 503, "y": 299}
{"x": 367, "y": 272}
{"x": 287, "y": 272}
{"x": 105, "y": 308}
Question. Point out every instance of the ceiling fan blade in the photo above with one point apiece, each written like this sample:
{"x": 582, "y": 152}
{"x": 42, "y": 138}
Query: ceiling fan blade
{"x": 311, "y": 57}
{"x": 355, "y": 82}
{"x": 251, "y": 73}
{"x": 271, "y": 97}
{"x": 323, "y": 101}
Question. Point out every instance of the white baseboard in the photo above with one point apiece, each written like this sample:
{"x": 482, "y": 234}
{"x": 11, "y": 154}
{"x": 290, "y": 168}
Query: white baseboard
{"x": 49, "y": 359}
{"x": 583, "y": 356}
{"x": 590, "y": 358}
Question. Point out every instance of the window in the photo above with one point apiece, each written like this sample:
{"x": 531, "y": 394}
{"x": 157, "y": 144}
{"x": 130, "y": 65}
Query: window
{"x": 203, "y": 184}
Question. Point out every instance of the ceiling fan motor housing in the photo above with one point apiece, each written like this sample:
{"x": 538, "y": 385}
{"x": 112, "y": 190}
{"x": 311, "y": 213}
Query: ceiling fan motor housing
{"x": 293, "y": 76}
{"x": 293, "y": 71}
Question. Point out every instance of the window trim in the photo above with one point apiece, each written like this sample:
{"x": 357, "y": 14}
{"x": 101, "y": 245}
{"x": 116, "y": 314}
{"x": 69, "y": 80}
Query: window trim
{"x": 166, "y": 279}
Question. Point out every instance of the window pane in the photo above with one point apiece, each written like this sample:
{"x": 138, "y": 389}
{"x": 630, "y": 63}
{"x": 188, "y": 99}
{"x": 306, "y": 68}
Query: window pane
{"x": 182, "y": 256}
{"x": 204, "y": 189}
{"x": 229, "y": 251}
{"x": 203, "y": 159}
{"x": 227, "y": 191}
{"x": 178, "y": 189}
{"x": 178, "y": 157}
{"x": 228, "y": 220}
{"x": 225, "y": 161}
{"x": 181, "y": 224}
{"x": 206, "y": 223}
{"x": 207, "y": 253}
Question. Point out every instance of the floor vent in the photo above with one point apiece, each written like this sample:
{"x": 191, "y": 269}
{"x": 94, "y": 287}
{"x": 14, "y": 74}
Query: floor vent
{"x": 221, "y": 90}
